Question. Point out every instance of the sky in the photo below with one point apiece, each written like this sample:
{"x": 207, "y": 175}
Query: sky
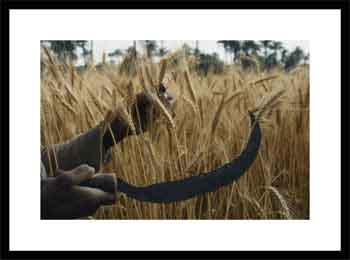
{"x": 208, "y": 46}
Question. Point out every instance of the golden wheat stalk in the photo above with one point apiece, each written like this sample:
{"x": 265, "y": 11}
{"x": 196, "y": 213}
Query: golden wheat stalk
{"x": 149, "y": 77}
{"x": 152, "y": 154}
{"x": 233, "y": 96}
{"x": 281, "y": 200}
{"x": 100, "y": 104}
{"x": 218, "y": 93}
{"x": 270, "y": 100}
{"x": 190, "y": 87}
{"x": 163, "y": 110}
{"x": 89, "y": 112}
{"x": 71, "y": 94}
{"x": 163, "y": 66}
{"x": 218, "y": 114}
{"x": 213, "y": 84}
{"x": 131, "y": 94}
{"x": 182, "y": 125}
{"x": 72, "y": 75}
{"x": 264, "y": 79}
{"x": 142, "y": 81}
{"x": 68, "y": 107}
{"x": 108, "y": 90}
{"x": 190, "y": 103}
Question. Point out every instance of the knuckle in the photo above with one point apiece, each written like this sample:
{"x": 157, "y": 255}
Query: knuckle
{"x": 64, "y": 180}
{"x": 85, "y": 169}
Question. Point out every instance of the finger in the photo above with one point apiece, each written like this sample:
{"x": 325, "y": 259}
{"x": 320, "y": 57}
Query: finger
{"x": 75, "y": 176}
{"x": 100, "y": 198}
{"x": 103, "y": 181}
{"x": 93, "y": 198}
{"x": 58, "y": 172}
{"x": 80, "y": 202}
{"x": 107, "y": 198}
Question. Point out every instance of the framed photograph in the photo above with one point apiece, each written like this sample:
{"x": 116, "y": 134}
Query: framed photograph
{"x": 153, "y": 130}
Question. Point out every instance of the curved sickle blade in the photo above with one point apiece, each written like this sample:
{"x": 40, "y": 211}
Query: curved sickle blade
{"x": 187, "y": 188}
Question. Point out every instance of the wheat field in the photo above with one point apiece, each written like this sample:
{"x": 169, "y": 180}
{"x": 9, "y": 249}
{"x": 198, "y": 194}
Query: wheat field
{"x": 210, "y": 128}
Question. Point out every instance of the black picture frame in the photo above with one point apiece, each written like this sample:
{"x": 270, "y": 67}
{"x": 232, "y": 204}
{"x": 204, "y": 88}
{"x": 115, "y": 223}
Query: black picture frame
{"x": 342, "y": 5}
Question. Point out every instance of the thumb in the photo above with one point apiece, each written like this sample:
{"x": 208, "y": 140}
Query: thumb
{"x": 75, "y": 176}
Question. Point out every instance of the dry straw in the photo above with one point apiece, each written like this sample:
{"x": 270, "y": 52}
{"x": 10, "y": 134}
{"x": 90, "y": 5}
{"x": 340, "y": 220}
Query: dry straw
{"x": 190, "y": 87}
{"x": 163, "y": 110}
{"x": 163, "y": 66}
{"x": 217, "y": 115}
{"x": 269, "y": 102}
{"x": 281, "y": 200}
{"x": 264, "y": 79}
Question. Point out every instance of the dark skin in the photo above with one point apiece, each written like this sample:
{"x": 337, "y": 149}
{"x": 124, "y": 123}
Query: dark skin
{"x": 63, "y": 198}
{"x": 121, "y": 129}
{"x": 143, "y": 112}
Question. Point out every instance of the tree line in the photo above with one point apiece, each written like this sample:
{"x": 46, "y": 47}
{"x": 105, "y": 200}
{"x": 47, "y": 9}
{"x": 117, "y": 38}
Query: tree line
{"x": 268, "y": 53}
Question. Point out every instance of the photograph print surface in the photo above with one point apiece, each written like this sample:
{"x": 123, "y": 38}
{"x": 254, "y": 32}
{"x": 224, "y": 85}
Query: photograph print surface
{"x": 183, "y": 129}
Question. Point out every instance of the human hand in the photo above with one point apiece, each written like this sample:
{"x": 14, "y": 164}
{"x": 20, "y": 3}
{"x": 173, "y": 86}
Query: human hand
{"x": 63, "y": 198}
{"x": 145, "y": 110}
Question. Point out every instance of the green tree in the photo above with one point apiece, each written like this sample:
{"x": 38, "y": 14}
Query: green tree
{"x": 86, "y": 55}
{"x": 266, "y": 46}
{"x": 294, "y": 58}
{"x": 67, "y": 49}
{"x": 250, "y": 47}
{"x": 271, "y": 61}
{"x": 306, "y": 58}
{"x": 116, "y": 53}
{"x": 284, "y": 55}
{"x": 255, "y": 47}
{"x": 276, "y": 46}
{"x": 132, "y": 51}
{"x": 63, "y": 49}
{"x": 233, "y": 47}
{"x": 151, "y": 48}
{"x": 162, "y": 50}
{"x": 298, "y": 54}
{"x": 210, "y": 62}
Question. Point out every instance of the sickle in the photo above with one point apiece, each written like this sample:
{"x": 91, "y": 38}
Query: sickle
{"x": 166, "y": 192}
